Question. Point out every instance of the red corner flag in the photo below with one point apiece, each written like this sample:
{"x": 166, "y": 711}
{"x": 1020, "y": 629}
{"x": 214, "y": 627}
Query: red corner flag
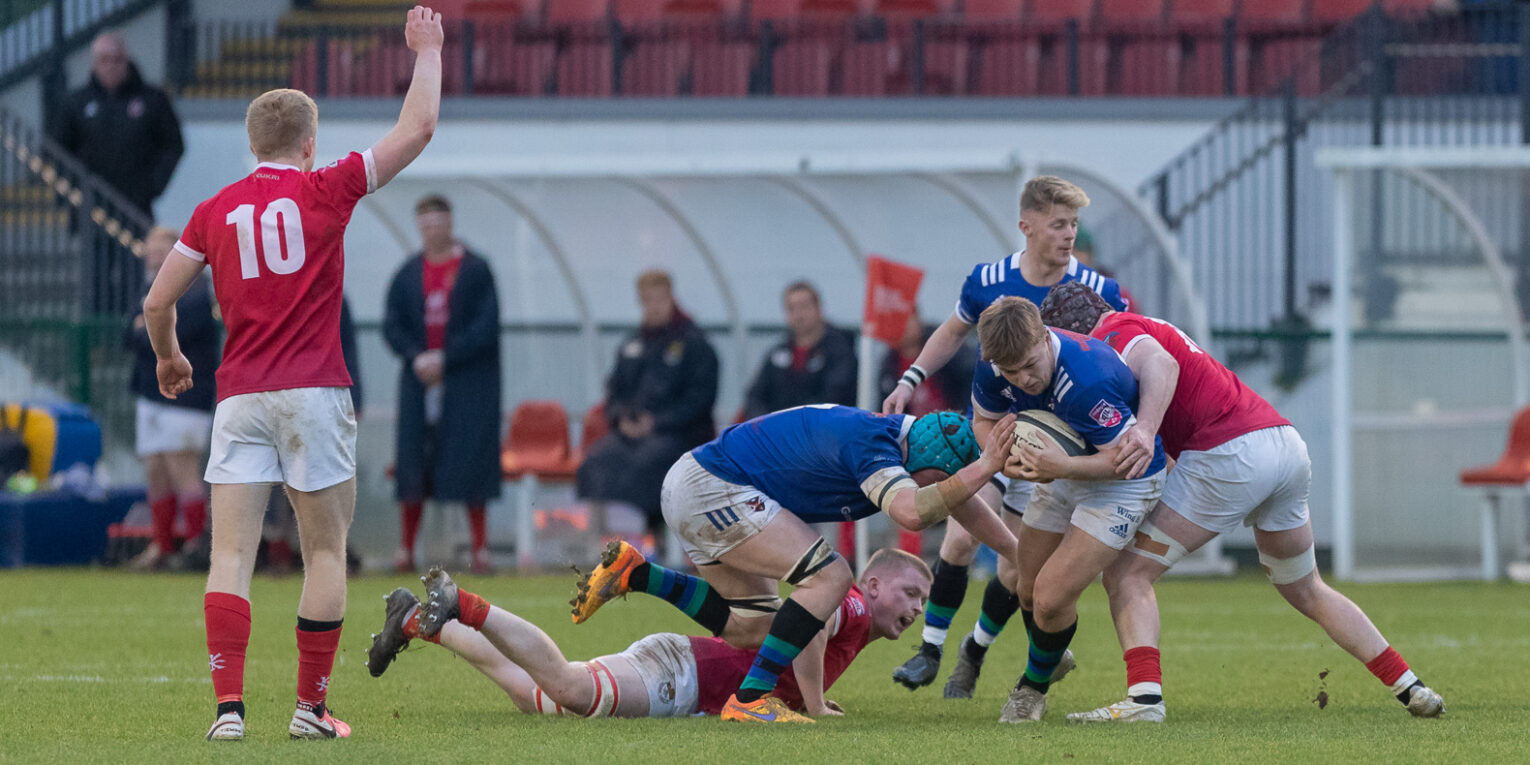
{"x": 891, "y": 289}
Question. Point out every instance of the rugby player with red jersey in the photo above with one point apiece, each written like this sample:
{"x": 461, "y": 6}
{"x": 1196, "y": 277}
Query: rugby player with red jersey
{"x": 661, "y": 675}
{"x": 275, "y": 243}
{"x": 1238, "y": 461}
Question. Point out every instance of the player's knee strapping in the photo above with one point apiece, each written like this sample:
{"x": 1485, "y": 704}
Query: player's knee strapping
{"x": 817, "y": 558}
{"x": 1289, "y": 570}
{"x": 607, "y": 694}
{"x": 792, "y": 629}
{"x": 1152, "y": 543}
{"x": 753, "y": 607}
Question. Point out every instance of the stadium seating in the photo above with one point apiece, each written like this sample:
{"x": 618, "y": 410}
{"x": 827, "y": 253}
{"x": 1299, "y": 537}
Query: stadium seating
{"x": 1510, "y": 475}
{"x": 537, "y": 443}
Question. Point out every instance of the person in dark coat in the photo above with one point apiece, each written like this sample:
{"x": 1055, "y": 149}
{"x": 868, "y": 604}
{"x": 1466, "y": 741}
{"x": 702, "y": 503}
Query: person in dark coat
{"x": 173, "y": 434}
{"x": 442, "y": 320}
{"x": 813, "y": 364}
{"x": 659, "y": 402}
{"x": 125, "y": 131}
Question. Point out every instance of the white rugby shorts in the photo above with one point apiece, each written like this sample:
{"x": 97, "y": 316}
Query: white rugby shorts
{"x": 668, "y": 668}
{"x": 163, "y": 428}
{"x": 1260, "y": 479}
{"x": 1109, "y": 511}
{"x": 303, "y": 437}
{"x": 711, "y": 516}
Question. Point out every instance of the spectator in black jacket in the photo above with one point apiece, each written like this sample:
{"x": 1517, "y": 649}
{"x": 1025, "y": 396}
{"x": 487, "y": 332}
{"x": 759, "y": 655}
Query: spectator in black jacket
{"x": 659, "y": 401}
{"x": 948, "y": 389}
{"x": 172, "y": 434}
{"x": 125, "y": 131}
{"x": 813, "y": 364}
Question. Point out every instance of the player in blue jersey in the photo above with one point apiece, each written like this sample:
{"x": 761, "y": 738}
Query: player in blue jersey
{"x": 1049, "y": 211}
{"x": 1082, "y": 512}
{"x": 741, "y": 506}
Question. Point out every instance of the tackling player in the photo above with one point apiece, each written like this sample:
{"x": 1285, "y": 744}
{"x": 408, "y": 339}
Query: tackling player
{"x": 275, "y": 243}
{"x": 1238, "y": 461}
{"x": 662, "y": 675}
{"x": 741, "y": 505}
{"x": 1086, "y": 384}
{"x": 1049, "y": 212}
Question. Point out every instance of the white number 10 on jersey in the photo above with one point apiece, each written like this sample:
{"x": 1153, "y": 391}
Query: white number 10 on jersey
{"x": 280, "y": 222}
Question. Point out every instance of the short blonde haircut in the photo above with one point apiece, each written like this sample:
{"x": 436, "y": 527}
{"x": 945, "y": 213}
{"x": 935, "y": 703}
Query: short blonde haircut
{"x": 1044, "y": 191}
{"x": 889, "y": 561}
{"x": 655, "y": 277}
{"x": 1009, "y": 329}
{"x": 279, "y": 120}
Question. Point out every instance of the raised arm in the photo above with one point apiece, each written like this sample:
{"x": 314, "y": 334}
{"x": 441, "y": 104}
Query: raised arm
{"x": 422, "y": 104}
{"x": 942, "y": 345}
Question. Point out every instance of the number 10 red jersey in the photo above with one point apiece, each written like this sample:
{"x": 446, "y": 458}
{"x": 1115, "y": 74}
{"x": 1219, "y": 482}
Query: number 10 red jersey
{"x": 276, "y": 244}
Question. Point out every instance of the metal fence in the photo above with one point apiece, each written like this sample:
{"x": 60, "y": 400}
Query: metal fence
{"x": 1252, "y": 213}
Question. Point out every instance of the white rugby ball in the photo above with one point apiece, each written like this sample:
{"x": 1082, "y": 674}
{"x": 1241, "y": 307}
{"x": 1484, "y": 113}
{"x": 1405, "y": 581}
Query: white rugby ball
{"x": 1037, "y": 427}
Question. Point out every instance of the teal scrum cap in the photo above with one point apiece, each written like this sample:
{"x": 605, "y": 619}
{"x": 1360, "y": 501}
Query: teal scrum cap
{"x": 941, "y": 441}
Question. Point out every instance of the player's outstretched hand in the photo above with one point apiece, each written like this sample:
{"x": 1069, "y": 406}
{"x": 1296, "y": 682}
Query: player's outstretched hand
{"x": 422, "y": 30}
{"x": 174, "y": 376}
{"x": 996, "y": 451}
{"x": 830, "y": 709}
{"x": 897, "y": 401}
{"x": 1136, "y": 452}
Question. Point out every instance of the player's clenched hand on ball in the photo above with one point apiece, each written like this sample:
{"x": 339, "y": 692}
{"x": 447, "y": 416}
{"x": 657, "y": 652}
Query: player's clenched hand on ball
{"x": 996, "y": 450}
{"x": 422, "y": 31}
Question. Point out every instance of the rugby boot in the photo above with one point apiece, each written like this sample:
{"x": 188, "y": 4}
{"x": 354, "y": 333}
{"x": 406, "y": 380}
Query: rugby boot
{"x": 765, "y": 709}
{"x": 1424, "y": 702}
{"x": 387, "y": 644}
{"x": 920, "y": 670}
{"x": 228, "y": 727}
{"x": 1025, "y": 704}
{"x": 964, "y": 678}
{"x": 441, "y": 605}
{"x": 1124, "y": 711}
{"x": 608, "y": 581}
{"x": 317, "y": 725}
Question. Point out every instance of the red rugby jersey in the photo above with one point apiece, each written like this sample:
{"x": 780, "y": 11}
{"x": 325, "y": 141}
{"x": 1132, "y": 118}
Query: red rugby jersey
{"x": 276, "y": 244}
{"x": 720, "y": 667}
{"x": 1211, "y": 406}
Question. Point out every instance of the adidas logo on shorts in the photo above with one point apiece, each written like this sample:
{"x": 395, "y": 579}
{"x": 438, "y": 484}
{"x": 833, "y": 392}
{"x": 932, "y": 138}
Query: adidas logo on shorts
{"x": 1119, "y": 531}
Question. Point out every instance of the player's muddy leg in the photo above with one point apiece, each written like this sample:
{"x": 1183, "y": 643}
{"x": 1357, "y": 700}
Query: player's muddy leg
{"x": 237, "y": 513}
{"x": 753, "y": 601}
{"x": 324, "y": 518}
{"x": 237, "y": 510}
{"x": 475, "y": 648}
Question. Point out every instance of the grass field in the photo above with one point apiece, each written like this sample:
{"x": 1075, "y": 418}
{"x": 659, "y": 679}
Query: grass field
{"x": 101, "y": 666}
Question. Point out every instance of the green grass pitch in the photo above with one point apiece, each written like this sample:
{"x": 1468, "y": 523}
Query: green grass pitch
{"x": 103, "y": 666}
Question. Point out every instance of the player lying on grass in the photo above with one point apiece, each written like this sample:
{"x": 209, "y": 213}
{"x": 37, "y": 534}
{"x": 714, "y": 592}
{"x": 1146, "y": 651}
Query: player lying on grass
{"x": 1049, "y": 213}
{"x": 1238, "y": 461}
{"x": 1084, "y": 513}
{"x": 741, "y": 505}
{"x": 661, "y": 675}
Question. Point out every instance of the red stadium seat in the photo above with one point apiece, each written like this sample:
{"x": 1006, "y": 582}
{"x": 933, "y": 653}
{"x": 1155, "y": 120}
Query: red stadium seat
{"x": 867, "y": 66}
{"x": 774, "y": 10}
{"x": 509, "y": 63}
{"x": 584, "y": 69}
{"x": 1335, "y": 11}
{"x": 1133, "y": 13}
{"x": 593, "y": 428}
{"x": 1008, "y": 65}
{"x": 1057, "y": 11}
{"x": 913, "y": 9}
{"x": 574, "y": 11}
{"x": 655, "y": 68}
{"x": 537, "y": 443}
{"x": 993, "y": 10}
{"x": 702, "y": 10}
{"x": 1272, "y": 13}
{"x": 721, "y": 68}
{"x": 637, "y": 11}
{"x": 801, "y": 67}
{"x": 494, "y": 10}
{"x": 945, "y": 65}
{"x": 1510, "y": 474}
{"x": 1191, "y": 13}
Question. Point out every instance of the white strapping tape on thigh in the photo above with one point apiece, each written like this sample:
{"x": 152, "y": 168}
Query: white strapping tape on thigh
{"x": 1289, "y": 570}
{"x": 749, "y": 608}
{"x": 1152, "y": 543}
{"x": 606, "y": 692}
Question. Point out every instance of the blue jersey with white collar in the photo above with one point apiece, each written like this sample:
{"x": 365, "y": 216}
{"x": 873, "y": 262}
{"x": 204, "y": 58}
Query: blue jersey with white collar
{"x": 814, "y": 460}
{"x": 990, "y": 281}
{"x": 1092, "y": 389}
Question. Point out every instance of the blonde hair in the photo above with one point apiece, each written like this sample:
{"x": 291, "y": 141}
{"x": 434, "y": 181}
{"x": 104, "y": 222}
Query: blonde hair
{"x": 889, "y": 560}
{"x": 1009, "y": 329}
{"x": 279, "y": 120}
{"x": 1044, "y": 191}
{"x": 655, "y": 277}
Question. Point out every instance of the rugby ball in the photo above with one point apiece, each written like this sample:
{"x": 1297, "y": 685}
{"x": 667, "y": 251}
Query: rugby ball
{"x": 1036, "y": 427}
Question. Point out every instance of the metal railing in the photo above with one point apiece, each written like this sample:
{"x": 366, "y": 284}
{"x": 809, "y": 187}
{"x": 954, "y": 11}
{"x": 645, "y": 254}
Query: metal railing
{"x": 1251, "y": 212}
{"x": 38, "y": 37}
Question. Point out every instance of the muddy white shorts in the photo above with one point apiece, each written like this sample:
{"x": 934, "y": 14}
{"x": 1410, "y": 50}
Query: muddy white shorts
{"x": 1109, "y": 511}
{"x": 303, "y": 437}
{"x": 668, "y": 668}
{"x": 711, "y": 516}
{"x": 163, "y": 428}
{"x": 1260, "y": 479}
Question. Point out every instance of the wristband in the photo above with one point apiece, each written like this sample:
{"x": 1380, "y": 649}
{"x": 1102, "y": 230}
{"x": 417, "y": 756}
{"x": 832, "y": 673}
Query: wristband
{"x": 913, "y": 376}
